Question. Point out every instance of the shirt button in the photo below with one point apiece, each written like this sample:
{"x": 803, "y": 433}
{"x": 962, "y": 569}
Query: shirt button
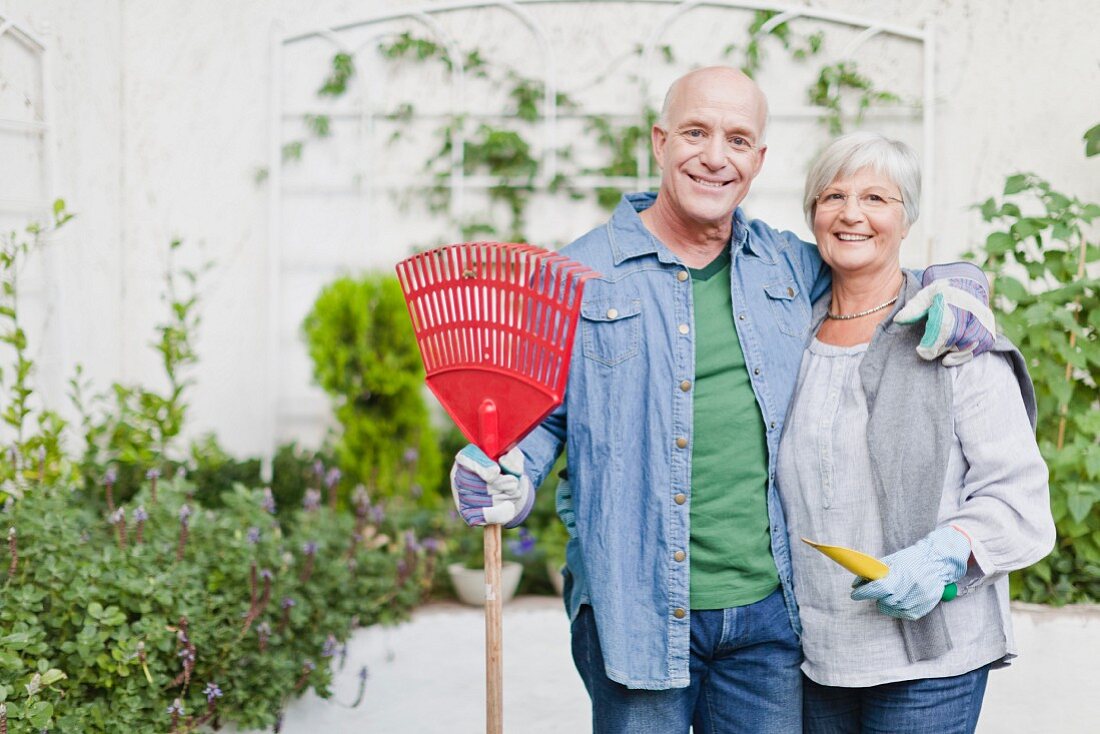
{"x": 682, "y": 442}
{"x": 679, "y": 613}
{"x": 685, "y": 385}
{"x": 679, "y": 556}
{"x": 756, "y": 371}
{"x": 682, "y": 276}
{"x": 741, "y": 317}
{"x": 772, "y": 424}
{"x": 790, "y": 292}
{"x": 683, "y": 328}
{"x": 680, "y": 498}
{"x": 612, "y": 313}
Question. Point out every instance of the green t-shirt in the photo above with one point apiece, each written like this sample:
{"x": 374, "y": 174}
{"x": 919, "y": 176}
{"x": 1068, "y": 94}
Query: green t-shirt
{"x": 731, "y": 560}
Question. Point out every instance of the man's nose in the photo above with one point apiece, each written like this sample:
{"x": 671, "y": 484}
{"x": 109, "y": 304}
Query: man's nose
{"x": 714, "y": 155}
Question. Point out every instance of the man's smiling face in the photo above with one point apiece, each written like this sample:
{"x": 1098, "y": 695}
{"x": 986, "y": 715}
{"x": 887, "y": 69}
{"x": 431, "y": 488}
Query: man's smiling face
{"x": 710, "y": 146}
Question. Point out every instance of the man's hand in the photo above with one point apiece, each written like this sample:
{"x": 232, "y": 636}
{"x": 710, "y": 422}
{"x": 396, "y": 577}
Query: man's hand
{"x": 960, "y": 325}
{"x": 918, "y": 575}
{"x": 490, "y": 493}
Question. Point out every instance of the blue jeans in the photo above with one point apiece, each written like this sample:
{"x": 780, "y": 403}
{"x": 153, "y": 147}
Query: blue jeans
{"x": 744, "y": 677}
{"x": 922, "y": 706}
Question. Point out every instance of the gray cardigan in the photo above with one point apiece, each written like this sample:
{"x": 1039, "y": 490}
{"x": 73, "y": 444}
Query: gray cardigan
{"x": 909, "y": 434}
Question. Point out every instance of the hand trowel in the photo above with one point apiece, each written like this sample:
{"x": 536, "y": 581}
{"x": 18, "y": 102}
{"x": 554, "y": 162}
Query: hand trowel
{"x": 866, "y": 566}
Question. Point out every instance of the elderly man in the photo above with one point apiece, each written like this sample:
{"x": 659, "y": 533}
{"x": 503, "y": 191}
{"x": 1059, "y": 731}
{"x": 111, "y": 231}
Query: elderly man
{"x": 678, "y": 580}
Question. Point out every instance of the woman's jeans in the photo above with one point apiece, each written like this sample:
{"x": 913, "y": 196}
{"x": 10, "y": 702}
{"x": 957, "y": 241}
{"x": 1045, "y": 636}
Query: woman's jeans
{"x": 744, "y": 677}
{"x": 922, "y": 706}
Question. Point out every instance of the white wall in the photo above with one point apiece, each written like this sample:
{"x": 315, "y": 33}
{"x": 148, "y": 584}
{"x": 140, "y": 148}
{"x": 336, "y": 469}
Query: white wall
{"x": 162, "y": 119}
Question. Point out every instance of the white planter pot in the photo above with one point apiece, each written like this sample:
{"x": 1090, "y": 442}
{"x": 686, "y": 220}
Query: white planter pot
{"x": 469, "y": 583}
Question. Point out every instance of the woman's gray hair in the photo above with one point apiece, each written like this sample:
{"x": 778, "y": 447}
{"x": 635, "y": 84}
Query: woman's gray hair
{"x": 855, "y": 151}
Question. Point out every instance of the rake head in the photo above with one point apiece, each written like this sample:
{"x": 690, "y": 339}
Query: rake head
{"x": 495, "y": 325}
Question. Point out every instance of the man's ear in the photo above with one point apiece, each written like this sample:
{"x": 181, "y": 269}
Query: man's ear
{"x": 659, "y": 137}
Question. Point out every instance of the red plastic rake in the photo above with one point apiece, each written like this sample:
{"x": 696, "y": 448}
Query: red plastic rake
{"x": 495, "y": 325}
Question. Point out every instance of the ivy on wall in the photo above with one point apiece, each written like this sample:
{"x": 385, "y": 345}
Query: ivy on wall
{"x": 505, "y": 152}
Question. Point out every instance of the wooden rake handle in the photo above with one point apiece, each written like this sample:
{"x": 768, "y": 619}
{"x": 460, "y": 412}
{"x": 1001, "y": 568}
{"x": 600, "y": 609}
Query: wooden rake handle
{"x": 489, "y": 441}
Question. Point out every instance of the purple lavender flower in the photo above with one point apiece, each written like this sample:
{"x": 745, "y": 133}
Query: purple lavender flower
{"x": 140, "y": 515}
{"x": 265, "y": 573}
{"x": 184, "y": 513}
{"x": 378, "y": 514}
{"x": 187, "y": 655}
{"x": 332, "y": 478}
{"x": 309, "y": 548}
{"x": 329, "y": 648}
{"x": 176, "y": 708}
{"x": 212, "y": 691}
{"x": 287, "y": 602}
{"x": 309, "y": 666}
{"x": 431, "y": 545}
{"x": 318, "y": 469}
{"x": 117, "y": 516}
{"x": 111, "y": 476}
{"x": 411, "y": 455}
{"x": 268, "y": 502}
{"x": 410, "y": 541}
{"x": 253, "y": 535}
{"x": 153, "y": 473}
{"x": 522, "y": 545}
{"x": 312, "y": 499}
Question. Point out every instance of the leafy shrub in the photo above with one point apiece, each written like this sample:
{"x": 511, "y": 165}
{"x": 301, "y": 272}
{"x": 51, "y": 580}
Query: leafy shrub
{"x": 110, "y": 625}
{"x": 1049, "y": 305}
{"x": 365, "y": 357}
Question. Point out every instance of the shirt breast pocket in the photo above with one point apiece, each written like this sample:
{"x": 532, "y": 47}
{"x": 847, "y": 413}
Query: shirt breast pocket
{"x": 611, "y": 331}
{"x": 790, "y": 310}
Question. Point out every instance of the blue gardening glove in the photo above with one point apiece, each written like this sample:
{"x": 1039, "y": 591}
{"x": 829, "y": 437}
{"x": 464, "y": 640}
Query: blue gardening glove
{"x": 956, "y": 299}
{"x": 490, "y": 493}
{"x": 918, "y": 575}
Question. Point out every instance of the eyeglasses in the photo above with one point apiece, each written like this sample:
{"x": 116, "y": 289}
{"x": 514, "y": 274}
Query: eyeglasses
{"x": 869, "y": 201}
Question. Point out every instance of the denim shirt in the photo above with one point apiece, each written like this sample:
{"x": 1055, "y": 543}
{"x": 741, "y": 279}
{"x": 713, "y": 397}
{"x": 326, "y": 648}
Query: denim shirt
{"x": 626, "y": 426}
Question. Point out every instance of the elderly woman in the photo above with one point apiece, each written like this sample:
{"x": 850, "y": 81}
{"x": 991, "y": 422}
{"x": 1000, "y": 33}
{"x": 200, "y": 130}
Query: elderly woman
{"x": 934, "y": 470}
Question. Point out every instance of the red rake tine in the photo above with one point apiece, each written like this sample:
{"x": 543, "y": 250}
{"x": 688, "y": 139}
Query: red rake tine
{"x": 495, "y": 324}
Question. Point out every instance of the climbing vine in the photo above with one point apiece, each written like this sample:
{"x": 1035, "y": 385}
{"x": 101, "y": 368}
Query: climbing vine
{"x": 504, "y": 150}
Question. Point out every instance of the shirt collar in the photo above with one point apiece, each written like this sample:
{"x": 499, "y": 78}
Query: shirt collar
{"x": 630, "y": 238}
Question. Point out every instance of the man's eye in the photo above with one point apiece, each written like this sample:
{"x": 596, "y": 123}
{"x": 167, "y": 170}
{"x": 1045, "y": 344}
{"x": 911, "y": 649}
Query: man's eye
{"x": 739, "y": 142}
{"x": 694, "y": 133}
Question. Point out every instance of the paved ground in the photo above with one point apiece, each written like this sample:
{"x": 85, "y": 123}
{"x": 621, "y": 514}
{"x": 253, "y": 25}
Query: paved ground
{"x": 427, "y": 676}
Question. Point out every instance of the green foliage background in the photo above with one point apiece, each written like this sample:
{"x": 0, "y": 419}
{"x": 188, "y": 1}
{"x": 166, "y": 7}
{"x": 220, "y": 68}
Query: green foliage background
{"x": 1047, "y": 300}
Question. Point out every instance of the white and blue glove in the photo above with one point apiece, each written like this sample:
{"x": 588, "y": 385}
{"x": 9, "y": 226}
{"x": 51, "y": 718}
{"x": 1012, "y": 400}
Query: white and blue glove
{"x": 490, "y": 493}
{"x": 955, "y": 297}
{"x": 918, "y": 575}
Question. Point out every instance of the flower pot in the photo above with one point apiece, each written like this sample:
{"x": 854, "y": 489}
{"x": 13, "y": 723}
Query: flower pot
{"x": 553, "y": 570}
{"x": 469, "y": 583}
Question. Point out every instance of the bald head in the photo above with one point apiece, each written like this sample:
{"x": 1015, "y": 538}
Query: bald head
{"x": 723, "y": 80}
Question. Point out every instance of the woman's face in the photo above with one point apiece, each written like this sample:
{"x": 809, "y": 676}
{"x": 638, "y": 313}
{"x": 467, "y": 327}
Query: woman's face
{"x": 863, "y": 232}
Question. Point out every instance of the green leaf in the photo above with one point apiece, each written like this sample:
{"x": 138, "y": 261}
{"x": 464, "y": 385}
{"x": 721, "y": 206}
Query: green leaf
{"x": 1015, "y": 184}
{"x": 1092, "y": 141}
{"x": 999, "y": 242}
{"x": 1010, "y": 288}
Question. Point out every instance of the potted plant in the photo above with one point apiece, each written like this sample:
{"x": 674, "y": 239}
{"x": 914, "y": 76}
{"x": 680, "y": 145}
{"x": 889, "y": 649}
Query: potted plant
{"x": 467, "y": 567}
